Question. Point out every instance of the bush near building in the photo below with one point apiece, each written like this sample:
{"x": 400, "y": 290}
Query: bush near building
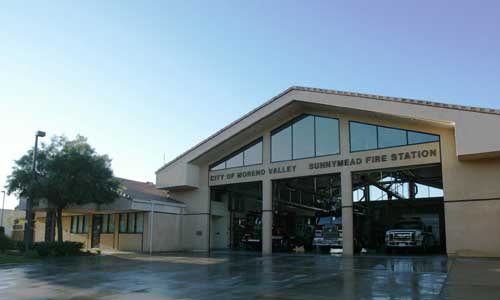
{"x": 41, "y": 249}
{"x": 6, "y": 243}
{"x": 65, "y": 248}
{"x": 13, "y": 251}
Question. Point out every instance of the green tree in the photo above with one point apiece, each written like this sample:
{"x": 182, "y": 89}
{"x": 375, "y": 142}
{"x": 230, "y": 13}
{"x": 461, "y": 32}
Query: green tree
{"x": 71, "y": 173}
{"x": 22, "y": 182}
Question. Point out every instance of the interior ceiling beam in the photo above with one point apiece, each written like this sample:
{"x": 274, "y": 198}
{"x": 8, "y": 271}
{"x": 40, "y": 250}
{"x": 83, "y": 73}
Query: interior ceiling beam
{"x": 246, "y": 194}
{"x": 289, "y": 203}
{"x": 385, "y": 189}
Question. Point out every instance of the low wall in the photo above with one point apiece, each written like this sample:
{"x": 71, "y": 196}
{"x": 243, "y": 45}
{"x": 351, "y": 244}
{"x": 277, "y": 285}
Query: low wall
{"x": 472, "y": 228}
{"x": 107, "y": 241}
{"x": 130, "y": 242}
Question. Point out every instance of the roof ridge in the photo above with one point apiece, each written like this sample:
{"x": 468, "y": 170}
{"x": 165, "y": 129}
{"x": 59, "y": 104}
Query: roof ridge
{"x": 144, "y": 182}
{"x": 401, "y": 100}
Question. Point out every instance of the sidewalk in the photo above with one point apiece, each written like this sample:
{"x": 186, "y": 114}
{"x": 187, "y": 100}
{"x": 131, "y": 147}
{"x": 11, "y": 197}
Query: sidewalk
{"x": 471, "y": 278}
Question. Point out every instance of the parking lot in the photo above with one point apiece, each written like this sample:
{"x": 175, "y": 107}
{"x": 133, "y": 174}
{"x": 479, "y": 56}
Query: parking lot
{"x": 247, "y": 276}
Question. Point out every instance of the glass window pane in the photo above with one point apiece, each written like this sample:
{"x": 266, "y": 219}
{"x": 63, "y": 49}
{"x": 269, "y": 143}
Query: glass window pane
{"x": 327, "y": 136}
{"x": 363, "y": 136}
{"x": 86, "y": 224}
{"x": 418, "y": 137}
{"x": 140, "y": 222}
{"x": 80, "y": 224}
{"x": 111, "y": 227}
{"x": 253, "y": 155}
{"x": 235, "y": 161}
{"x": 281, "y": 145}
{"x": 282, "y": 193}
{"x": 303, "y": 138}
{"x": 104, "y": 227}
{"x": 328, "y": 192}
{"x": 426, "y": 191}
{"x": 390, "y": 137}
{"x": 123, "y": 222}
{"x": 306, "y": 187}
{"x": 74, "y": 222}
{"x": 294, "y": 192}
{"x": 220, "y": 166}
{"x": 131, "y": 222}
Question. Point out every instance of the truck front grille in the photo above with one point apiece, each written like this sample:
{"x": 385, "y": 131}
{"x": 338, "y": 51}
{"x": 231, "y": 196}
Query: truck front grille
{"x": 402, "y": 237}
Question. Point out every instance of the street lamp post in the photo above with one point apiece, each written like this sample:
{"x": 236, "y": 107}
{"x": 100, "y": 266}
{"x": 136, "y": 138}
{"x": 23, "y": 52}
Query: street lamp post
{"x": 28, "y": 228}
{"x": 3, "y": 208}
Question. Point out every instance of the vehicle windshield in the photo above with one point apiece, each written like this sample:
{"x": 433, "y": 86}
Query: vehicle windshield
{"x": 408, "y": 225}
{"x": 324, "y": 221}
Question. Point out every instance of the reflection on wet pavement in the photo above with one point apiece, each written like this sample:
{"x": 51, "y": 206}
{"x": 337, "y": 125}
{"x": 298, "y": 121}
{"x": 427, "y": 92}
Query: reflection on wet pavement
{"x": 177, "y": 259}
{"x": 228, "y": 276}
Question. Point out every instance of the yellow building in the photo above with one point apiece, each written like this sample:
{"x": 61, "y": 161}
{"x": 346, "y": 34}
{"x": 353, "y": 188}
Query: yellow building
{"x": 124, "y": 225}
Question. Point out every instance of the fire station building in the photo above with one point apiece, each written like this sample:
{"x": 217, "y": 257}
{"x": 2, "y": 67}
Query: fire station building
{"x": 323, "y": 170}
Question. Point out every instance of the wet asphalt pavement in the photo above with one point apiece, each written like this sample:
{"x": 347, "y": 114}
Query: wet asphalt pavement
{"x": 235, "y": 276}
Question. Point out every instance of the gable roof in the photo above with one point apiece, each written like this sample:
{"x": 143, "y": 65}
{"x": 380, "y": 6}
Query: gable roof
{"x": 401, "y": 100}
{"x": 144, "y": 191}
{"x": 367, "y": 97}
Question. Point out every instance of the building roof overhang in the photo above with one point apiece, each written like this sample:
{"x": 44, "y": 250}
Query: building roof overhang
{"x": 135, "y": 196}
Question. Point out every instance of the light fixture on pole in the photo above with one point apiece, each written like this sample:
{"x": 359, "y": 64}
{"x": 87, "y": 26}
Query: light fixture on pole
{"x": 3, "y": 208}
{"x": 28, "y": 228}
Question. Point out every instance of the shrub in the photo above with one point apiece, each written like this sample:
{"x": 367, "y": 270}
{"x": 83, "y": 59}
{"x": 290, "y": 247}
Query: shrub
{"x": 65, "y": 248}
{"x": 5, "y": 243}
{"x": 19, "y": 245}
{"x": 31, "y": 254}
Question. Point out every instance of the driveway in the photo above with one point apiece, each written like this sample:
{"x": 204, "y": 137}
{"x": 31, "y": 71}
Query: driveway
{"x": 234, "y": 276}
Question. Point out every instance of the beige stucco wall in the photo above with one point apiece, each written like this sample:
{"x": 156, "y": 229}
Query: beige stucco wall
{"x": 472, "y": 203}
{"x": 195, "y": 220}
{"x": 182, "y": 175}
{"x": 167, "y": 232}
{"x": 39, "y": 235}
{"x": 469, "y": 179}
{"x": 195, "y": 232}
{"x": 82, "y": 238}
{"x": 462, "y": 179}
{"x": 130, "y": 242}
{"x": 107, "y": 241}
{"x": 473, "y": 228}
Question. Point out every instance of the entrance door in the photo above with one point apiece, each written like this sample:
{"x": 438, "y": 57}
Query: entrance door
{"x": 96, "y": 231}
{"x": 219, "y": 233}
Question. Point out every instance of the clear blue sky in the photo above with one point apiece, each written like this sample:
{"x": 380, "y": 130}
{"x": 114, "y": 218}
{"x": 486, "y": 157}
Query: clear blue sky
{"x": 143, "y": 79}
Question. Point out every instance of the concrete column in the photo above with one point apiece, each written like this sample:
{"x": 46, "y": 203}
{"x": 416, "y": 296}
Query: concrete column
{"x": 90, "y": 232}
{"x": 267, "y": 217}
{"x": 347, "y": 216}
{"x": 266, "y": 148}
{"x": 178, "y": 222}
{"x": 116, "y": 241}
{"x": 150, "y": 230}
